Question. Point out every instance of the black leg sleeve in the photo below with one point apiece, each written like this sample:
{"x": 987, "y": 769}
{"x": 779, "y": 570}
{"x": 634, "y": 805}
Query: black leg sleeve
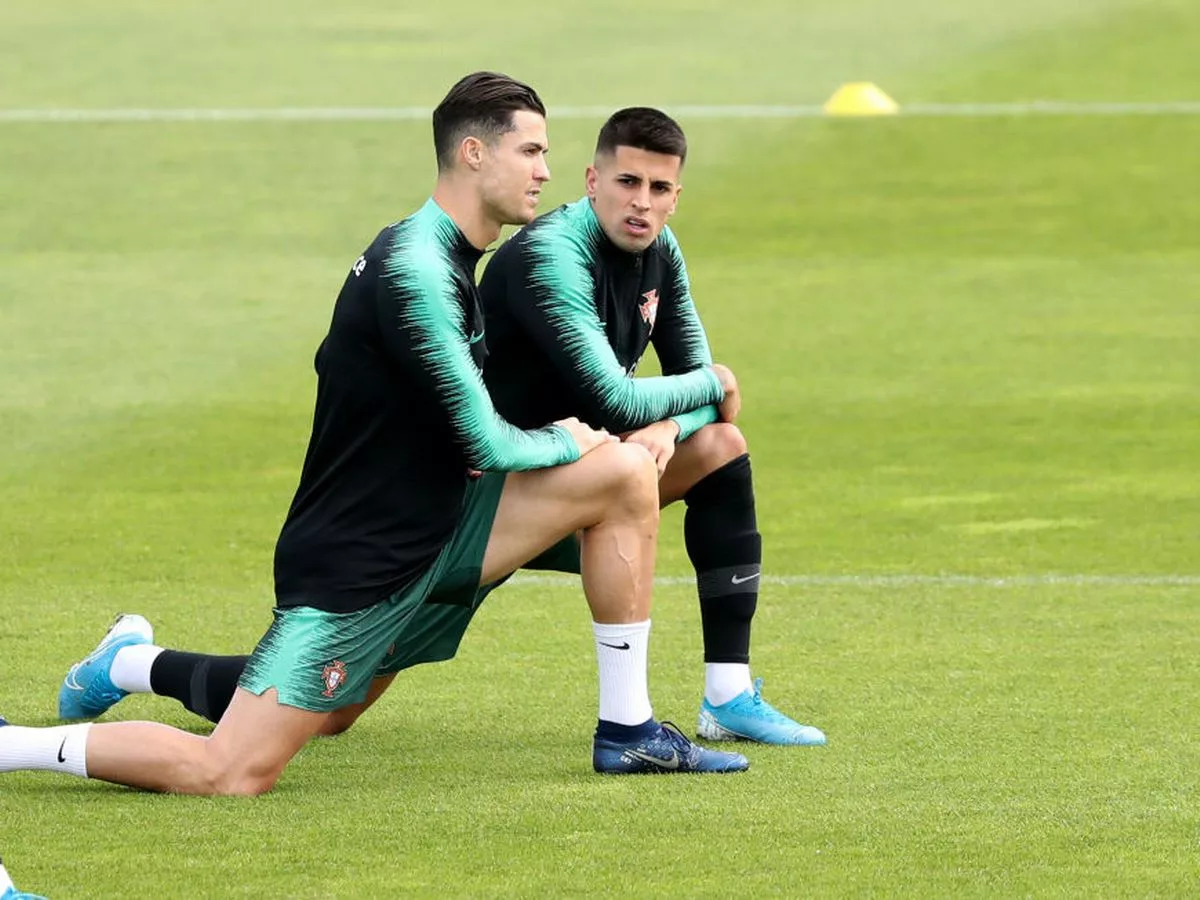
{"x": 204, "y": 684}
{"x": 720, "y": 531}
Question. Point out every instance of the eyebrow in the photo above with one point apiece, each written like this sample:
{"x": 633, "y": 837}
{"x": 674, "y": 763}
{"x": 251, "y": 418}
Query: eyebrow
{"x": 658, "y": 182}
{"x": 545, "y": 148}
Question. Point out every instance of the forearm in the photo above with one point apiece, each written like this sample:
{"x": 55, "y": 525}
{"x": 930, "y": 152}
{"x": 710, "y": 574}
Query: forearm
{"x": 626, "y": 403}
{"x": 691, "y": 422}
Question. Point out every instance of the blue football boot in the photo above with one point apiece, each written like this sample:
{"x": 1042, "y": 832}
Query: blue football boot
{"x": 8, "y": 890}
{"x": 748, "y": 717}
{"x": 665, "y": 751}
{"x": 11, "y": 893}
{"x": 87, "y": 691}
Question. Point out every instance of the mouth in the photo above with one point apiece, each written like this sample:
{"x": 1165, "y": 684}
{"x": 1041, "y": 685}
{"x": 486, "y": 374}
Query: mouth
{"x": 534, "y": 194}
{"x": 636, "y": 225}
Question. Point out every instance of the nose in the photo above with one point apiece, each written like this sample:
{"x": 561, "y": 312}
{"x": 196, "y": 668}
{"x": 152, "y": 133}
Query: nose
{"x": 641, "y": 200}
{"x": 542, "y": 172}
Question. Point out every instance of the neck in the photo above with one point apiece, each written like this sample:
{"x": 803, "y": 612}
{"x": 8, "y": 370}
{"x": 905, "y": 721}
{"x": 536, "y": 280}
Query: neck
{"x": 461, "y": 202}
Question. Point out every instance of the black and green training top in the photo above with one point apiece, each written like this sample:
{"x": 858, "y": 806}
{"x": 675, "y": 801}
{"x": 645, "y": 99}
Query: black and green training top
{"x": 569, "y": 316}
{"x": 401, "y": 414}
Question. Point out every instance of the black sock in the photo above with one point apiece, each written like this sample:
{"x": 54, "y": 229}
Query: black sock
{"x": 204, "y": 684}
{"x": 720, "y": 531}
{"x": 624, "y": 734}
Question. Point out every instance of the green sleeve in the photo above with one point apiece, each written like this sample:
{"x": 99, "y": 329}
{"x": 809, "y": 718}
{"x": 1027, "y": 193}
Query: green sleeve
{"x": 679, "y": 338}
{"x": 423, "y": 323}
{"x": 691, "y": 422}
{"x": 559, "y": 313}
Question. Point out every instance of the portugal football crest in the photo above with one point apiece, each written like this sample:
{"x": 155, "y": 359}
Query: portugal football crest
{"x": 334, "y": 676}
{"x": 649, "y": 307}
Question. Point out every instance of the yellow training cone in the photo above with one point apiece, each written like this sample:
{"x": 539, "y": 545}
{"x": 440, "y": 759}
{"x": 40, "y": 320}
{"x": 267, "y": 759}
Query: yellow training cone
{"x": 860, "y": 98}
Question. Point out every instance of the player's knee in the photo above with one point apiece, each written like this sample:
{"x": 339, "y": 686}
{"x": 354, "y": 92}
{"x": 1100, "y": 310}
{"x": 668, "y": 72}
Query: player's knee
{"x": 720, "y": 443}
{"x": 224, "y": 777}
{"x": 338, "y": 722}
{"x": 254, "y": 785}
{"x": 635, "y": 476}
{"x": 246, "y": 783}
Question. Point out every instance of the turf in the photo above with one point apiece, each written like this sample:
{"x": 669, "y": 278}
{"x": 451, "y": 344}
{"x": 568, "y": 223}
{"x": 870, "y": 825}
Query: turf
{"x": 968, "y": 352}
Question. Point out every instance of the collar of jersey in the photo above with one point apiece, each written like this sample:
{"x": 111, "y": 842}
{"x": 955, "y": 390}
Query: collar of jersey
{"x": 461, "y": 248}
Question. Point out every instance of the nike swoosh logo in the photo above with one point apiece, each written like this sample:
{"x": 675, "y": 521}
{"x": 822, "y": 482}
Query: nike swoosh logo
{"x": 100, "y": 650}
{"x": 70, "y": 679}
{"x": 624, "y": 645}
{"x": 475, "y": 338}
{"x": 62, "y": 747}
{"x": 672, "y": 762}
{"x": 737, "y": 580}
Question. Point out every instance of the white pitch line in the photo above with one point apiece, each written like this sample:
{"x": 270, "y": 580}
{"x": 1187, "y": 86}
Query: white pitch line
{"x": 1055, "y": 108}
{"x": 993, "y": 581}
{"x": 751, "y": 111}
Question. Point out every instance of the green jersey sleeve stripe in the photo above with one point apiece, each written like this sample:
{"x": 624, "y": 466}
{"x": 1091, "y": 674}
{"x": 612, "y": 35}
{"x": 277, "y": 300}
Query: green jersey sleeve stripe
{"x": 428, "y": 318}
{"x": 681, "y": 343}
{"x": 559, "y": 261}
{"x": 691, "y": 422}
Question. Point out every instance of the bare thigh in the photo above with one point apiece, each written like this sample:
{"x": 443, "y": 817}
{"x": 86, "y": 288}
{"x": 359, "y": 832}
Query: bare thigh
{"x": 539, "y": 508}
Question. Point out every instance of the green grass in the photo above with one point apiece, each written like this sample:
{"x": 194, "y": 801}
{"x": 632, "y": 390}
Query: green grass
{"x": 967, "y": 347}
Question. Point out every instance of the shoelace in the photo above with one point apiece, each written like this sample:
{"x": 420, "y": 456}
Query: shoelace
{"x": 769, "y": 712}
{"x": 678, "y": 738}
{"x": 758, "y": 690}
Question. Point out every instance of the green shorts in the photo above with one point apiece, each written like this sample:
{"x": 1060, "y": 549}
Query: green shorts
{"x": 321, "y": 661}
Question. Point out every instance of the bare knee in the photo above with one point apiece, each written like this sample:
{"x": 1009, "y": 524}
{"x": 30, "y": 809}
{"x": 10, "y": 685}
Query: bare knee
{"x": 718, "y": 444}
{"x": 632, "y": 480}
{"x": 245, "y": 783}
{"x": 339, "y": 722}
{"x": 236, "y": 778}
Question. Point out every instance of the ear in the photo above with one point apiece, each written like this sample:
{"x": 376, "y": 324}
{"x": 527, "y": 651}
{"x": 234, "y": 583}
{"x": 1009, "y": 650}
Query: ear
{"x": 590, "y": 180}
{"x": 674, "y": 201}
{"x": 470, "y": 151}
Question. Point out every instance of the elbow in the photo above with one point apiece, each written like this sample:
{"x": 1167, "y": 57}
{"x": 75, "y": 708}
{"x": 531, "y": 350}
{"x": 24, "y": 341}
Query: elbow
{"x": 615, "y": 414}
{"x": 480, "y": 456}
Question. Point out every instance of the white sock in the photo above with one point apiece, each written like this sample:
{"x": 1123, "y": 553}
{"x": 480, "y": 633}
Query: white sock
{"x": 59, "y": 749}
{"x": 621, "y": 654}
{"x": 724, "y": 681}
{"x": 131, "y": 667}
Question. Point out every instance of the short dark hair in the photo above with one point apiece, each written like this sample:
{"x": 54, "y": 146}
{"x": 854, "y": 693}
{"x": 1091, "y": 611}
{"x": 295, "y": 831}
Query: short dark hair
{"x": 645, "y": 129}
{"x": 481, "y": 104}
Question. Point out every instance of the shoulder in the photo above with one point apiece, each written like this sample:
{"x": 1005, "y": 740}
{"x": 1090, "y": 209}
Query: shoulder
{"x": 417, "y": 248}
{"x": 667, "y": 247}
{"x": 671, "y": 257}
{"x": 369, "y": 264}
{"x": 570, "y": 226}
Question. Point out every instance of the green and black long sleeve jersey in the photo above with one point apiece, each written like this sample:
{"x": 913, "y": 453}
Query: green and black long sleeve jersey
{"x": 569, "y": 316}
{"x": 401, "y": 414}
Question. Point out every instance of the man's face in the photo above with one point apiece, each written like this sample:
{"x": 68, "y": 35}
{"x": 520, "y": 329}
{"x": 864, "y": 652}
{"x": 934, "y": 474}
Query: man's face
{"x": 514, "y": 169}
{"x": 634, "y": 192}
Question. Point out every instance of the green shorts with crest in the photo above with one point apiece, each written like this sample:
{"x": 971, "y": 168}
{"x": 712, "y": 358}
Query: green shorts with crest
{"x": 321, "y": 661}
